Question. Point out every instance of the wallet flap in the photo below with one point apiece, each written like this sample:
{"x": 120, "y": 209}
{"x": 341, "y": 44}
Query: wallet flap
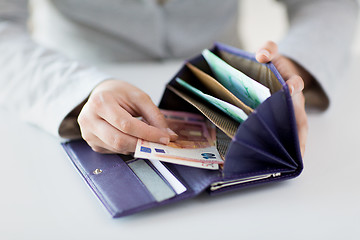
{"x": 276, "y": 139}
{"x": 109, "y": 178}
{"x": 119, "y": 188}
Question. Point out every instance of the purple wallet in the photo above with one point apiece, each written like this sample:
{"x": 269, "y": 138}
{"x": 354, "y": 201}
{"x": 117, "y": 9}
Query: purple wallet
{"x": 264, "y": 148}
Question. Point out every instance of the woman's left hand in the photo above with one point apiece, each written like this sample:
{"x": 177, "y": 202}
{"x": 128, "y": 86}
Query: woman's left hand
{"x": 296, "y": 78}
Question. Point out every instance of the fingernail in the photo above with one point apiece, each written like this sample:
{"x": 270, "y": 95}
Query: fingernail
{"x": 265, "y": 52}
{"x": 165, "y": 140}
{"x": 292, "y": 90}
{"x": 171, "y": 132}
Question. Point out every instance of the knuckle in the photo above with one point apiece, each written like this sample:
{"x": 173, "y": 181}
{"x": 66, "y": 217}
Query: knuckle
{"x": 98, "y": 99}
{"x": 98, "y": 149}
{"x": 140, "y": 95}
{"x": 119, "y": 143}
{"x": 124, "y": 125}
{"x": 86, "y": 136}
{"x": 82, "y": 119}
{"x": 158, "y": 115}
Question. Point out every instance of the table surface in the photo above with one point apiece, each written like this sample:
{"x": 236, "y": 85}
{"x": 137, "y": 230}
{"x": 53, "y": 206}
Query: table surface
{"x": 43, "y": 196}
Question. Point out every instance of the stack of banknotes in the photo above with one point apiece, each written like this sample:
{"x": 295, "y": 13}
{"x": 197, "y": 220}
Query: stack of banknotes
{"x": 196, "y": 145}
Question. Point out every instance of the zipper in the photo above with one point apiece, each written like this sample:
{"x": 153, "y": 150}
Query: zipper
{"x": 222, "y": 184}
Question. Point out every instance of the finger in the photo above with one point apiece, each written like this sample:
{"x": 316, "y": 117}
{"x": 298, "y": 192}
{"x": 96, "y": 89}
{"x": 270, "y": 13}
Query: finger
{"x": 101, "y": 150}
{"x": 267, "y": 52}
{"x": 119, "y": 118}
{"x": 90, "y": 122}
{"x": 302, "y": 139}
{"x": 154, "y": 116}
{"x": 301, "y": 120}
{"x": 96, "y": 144}
{"x": 112, "y": 139}
{"x": 151, "y": 112}
{"x": 295, "y": 84}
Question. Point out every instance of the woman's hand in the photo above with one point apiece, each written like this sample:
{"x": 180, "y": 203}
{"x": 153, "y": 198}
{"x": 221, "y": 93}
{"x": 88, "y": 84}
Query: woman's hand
{"x": 108, "y": 120}
{"x": 296, "y": 78}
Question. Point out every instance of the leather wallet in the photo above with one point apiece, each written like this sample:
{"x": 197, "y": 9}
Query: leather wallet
{"x": 262, "y": 149}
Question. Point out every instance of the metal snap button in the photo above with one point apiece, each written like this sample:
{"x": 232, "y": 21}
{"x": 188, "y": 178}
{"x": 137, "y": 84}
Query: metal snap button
{"x": 97, "y": 171}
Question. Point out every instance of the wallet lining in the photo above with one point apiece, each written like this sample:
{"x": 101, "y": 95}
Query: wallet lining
{"x": 225, "y": 123}
{"x": 257, "y": 71}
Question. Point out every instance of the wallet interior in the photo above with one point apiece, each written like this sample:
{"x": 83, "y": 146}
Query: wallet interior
{"x": 193, "y": 73}
{"x": 264, "y": 149}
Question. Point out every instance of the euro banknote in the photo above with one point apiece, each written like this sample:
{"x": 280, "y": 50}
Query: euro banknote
{"x": 195, "y": 146}
{"x": 246, "y": 89}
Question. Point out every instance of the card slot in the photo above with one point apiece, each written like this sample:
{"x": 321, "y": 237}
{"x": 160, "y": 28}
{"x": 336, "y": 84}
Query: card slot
{"x": 248, "y": 90}
{"x": 222, "y": 142}
{"x": 253, "y": 69}
{"x": 243, "y": 158}
{"x": 234, "y": 112}
{"x": 260, "y": 135}
{"x": 214, "y": 88}
{"x": 159, "y": 189}
{"x": 223, "y": 122}
{"x": 196, "y": 179}
{"x": 167, "y": 176}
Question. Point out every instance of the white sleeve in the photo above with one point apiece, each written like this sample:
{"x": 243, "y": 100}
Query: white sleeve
{"x": 40, "y": 85}
{"x": 320, "y": 37}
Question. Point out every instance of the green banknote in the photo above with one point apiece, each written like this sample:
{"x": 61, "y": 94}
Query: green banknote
{"x": 234, "y": 112}
{"x": 246, "y": 89}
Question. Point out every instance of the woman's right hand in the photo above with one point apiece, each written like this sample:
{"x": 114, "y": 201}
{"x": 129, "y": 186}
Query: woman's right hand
{"x": 108, "y": 120}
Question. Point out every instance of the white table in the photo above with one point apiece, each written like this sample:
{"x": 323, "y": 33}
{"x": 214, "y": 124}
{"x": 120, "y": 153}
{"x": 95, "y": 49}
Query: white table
{"x": 43, "y": 197}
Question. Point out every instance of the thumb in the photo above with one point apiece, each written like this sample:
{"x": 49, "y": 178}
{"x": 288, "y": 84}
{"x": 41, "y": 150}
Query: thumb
{"x": 267, "y": 52}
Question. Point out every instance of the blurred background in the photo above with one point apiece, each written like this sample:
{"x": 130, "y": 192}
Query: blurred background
{"x": 260, "y": 21}
{"x": 269, "y": 13}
